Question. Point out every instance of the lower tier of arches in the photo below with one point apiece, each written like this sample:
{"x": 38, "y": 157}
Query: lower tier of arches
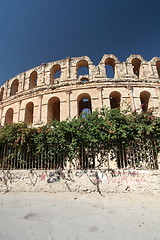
{"x": 45, "y": 107}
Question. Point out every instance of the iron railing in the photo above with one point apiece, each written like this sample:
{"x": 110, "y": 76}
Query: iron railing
{"x": 135, "y": 156}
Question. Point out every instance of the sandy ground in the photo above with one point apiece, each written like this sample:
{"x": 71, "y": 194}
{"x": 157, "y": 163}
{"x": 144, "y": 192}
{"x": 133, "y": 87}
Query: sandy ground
{"x": 27, "y": 216}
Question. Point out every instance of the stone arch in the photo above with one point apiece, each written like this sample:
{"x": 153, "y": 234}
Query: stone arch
{"x": 55, "y": 72}
{"x": 84, "y": 104}
{"x": 1, "y": 93}
{"x": 115, "y": 99}
{"x": 33, "y": 80}
{"x": 110, "y": 67}
{"x": 131, "y": 57}
{"x": 158, "y": 67}
{"x": 144, "y": 98}
{"x": 29, "y": 113}
{"x": 9, "y": 116}
{"x": 154, "y": 60}
{"x": 136, "y": 63}
{"x": 14, "y": 87}
{"x": 82, "y": 68}
{"x": 53, "y": 109}
{"x": 109, "y": 56}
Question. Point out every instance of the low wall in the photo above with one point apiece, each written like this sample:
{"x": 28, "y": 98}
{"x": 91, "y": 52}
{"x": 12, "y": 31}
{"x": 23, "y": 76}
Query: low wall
{"x": 80, "y": 181}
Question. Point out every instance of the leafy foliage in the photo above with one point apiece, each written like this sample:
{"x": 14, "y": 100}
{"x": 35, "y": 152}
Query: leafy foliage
{"x": 111, "y": 128}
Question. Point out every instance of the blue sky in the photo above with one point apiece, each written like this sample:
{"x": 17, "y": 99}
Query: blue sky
{"x": 37, "y": 31}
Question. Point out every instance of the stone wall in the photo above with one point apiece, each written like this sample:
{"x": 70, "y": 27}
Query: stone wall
{"x": 80, "y": 181}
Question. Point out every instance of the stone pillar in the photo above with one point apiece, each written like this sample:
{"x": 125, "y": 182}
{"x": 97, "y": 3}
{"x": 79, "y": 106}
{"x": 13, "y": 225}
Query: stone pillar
{"x": 23, "y": 82}
{"x": 1, "y": 111}
{"x": 131, "y": 98}
{"x": 68, "y": 59}
{"x": 116, "y": 70}
{"x": 102, "y": 70}
{"x": 40, "y": 109}
{"x": 100, "y": 89}
{"x": 43, "y": 73}
{"x": 7, "y": 89}
{"x": 125, "y": 68}
{"x": 129, "y": 69}
{"x": 155, "y": 72}
{"x": 19, "y": 110}
{"x": 68, "y": 93}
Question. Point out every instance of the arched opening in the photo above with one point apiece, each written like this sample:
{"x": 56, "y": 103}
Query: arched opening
{"x": 14, "y": 87}
{"x": 110, "y": 67}
{"x": 115, "y": 99}
{"x": 136, "y": 63}
{"x": 83, "y": 80}
{"x": 33, "y": 80}
{"x": 55, "y": 73}
{"x": 53, "y": 109}
{"x": 158, "y": 68}
{"x": 1, "y": 94}
{"x": 84, "y": 104}
{"x": 29, "y": 113}
{"x": 9, "y": 116}
{"x": 82, "y": 68}
{"x": 144, "y": 97}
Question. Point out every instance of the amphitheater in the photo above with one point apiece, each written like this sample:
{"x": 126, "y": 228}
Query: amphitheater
{"x": 58, "y": 90}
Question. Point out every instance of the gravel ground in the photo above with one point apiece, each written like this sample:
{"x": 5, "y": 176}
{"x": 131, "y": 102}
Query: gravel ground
{"x": 57, "y": 216}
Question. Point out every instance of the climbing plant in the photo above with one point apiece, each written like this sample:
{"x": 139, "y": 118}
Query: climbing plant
{"x": 111, "y": 128}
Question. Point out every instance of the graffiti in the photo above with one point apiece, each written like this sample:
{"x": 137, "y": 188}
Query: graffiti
{"x": 79, "y": 173}
{"x": 75, "y": 180}
{"x": 43, "y": 176}
{"x": 11, "y": 177}
{"x": 67, "y": 175}
{"x": 54, "y": 177}
{"x": 33, "y": 176}
{"x": 125, "y": 177}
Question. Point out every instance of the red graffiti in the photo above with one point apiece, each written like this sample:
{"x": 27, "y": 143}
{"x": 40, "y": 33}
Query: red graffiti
{"x": 43, "y": 176}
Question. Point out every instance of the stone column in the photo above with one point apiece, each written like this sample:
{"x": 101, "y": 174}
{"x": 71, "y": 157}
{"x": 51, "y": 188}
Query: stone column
{"x": 131, "y": 98}
{"x": 23, "y": 82}
{"x": 68, "y": 93}
{"x": 100, "y": 89}
{"x": 68, "y": 59}
{"x": 40, "y": 109}
{"x": 19, "y": 110}
{"x": 43, "y": 72}
{"x": 1, "y": 116}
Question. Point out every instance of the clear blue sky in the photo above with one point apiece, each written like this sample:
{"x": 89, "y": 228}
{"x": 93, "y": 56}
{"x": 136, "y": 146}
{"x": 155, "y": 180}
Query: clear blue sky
{"x": 37, "y": 31}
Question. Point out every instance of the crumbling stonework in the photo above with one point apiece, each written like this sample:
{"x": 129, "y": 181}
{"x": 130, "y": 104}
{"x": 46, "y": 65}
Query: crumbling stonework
{"x": 38, "y": 96}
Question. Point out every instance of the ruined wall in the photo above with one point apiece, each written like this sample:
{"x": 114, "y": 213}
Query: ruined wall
{"x": 55, "y": 90}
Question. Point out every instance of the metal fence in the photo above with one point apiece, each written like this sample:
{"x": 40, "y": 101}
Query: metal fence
{"x": 135, "y": 156}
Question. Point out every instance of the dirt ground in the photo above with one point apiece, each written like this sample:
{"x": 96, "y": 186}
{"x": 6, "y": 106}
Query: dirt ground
{"x": 71, "y": 216}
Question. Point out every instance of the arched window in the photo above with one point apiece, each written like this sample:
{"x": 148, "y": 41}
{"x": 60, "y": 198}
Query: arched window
{"x": 1, "y": 94}
{"x": 9, "y": 116}
{"x": 115, "y": 99}
{"x": 55, "y": 73}
{"x": 29, "y": 113}
{"x": 158, "y": 68}
{"x": 14, "y": 87}
{"x": 33, "y": 80}
{"x": 53, "y": 109}
{"x": 83, "y": 80}
{"x": 82, "y": 68}
{"x": 136, "y": 63}
{"x": 110, "y": 67}
{"x": 84, "y": 104}
{"x": 144, "y": 97}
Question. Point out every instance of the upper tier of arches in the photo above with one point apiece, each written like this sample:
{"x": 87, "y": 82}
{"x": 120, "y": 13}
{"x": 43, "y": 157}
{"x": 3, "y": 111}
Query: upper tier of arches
{"x": 81, "y": 69}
